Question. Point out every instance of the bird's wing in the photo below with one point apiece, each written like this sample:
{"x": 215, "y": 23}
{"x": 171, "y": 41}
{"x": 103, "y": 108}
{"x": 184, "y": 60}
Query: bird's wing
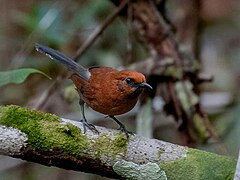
{"x": 63, "y": 59}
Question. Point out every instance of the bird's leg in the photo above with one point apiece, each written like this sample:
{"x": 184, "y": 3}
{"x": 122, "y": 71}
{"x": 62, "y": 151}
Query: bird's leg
{"x": 122, "y": 127}
{"x": 84, "y": 120}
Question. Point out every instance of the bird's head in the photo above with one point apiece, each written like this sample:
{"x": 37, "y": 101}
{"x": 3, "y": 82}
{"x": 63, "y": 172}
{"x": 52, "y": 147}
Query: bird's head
{"x": 133, "y": 82}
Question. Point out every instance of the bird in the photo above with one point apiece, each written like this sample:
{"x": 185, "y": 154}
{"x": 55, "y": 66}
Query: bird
{"x": 106, "y": 90}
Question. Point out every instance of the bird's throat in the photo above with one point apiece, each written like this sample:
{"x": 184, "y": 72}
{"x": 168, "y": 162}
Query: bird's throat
{"x": 135, "y": 93}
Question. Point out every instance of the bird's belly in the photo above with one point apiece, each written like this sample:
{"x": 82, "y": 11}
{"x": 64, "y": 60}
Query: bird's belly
{"x": 112, "y": 107}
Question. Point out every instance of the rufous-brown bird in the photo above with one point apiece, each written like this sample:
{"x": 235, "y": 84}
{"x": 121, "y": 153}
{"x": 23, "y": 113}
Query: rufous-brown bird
{"x": 104, "y": 89}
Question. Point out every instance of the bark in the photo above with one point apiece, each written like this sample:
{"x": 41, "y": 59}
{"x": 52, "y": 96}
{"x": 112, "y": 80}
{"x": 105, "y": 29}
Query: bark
{"x": 49, "y": 140}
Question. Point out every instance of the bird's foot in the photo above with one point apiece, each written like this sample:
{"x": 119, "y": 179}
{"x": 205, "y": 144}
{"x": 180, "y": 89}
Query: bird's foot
{"x": 89, "y": 126}
{"x": 125, "y": 131}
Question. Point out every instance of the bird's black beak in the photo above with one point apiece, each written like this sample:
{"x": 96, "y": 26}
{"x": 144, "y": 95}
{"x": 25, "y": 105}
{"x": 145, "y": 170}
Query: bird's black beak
{"x": 145, "y": 85}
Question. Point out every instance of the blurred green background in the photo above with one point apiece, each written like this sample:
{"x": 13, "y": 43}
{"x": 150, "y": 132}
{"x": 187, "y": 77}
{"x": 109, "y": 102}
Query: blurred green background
{"x": 65, "y": 25}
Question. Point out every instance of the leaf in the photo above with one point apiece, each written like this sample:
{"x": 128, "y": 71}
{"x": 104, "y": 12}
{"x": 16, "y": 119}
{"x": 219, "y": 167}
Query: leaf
{"x": 18, "y": 76}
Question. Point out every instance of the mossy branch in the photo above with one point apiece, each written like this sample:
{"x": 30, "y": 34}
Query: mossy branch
{"x": 49, "y": 140}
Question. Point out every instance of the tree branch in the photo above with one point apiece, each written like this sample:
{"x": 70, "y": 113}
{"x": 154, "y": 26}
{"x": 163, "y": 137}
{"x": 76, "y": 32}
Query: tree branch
{"x": 49, "y": 140}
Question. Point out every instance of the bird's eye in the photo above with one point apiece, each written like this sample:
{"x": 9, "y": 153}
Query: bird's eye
{"x": 129, "y": 80}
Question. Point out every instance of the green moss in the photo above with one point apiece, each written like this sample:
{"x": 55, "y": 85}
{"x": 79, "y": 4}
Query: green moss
{"x": 200, "y": 165}
{"x": 70, "y": 129}
{"x": 120, "y": 143}
{"x": 106, "y": 146}
{"x": 100, "y": 145}
{"x": 45, "y": 131}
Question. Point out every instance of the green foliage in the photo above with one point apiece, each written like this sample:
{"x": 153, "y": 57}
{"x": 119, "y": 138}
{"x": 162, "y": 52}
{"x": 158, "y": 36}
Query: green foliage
{"x": 17, "y": 76}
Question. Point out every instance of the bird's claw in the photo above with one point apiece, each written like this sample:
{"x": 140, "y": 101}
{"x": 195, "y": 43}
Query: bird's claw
{"x": 126, "y": 132}
{"x": 89, "y": 126}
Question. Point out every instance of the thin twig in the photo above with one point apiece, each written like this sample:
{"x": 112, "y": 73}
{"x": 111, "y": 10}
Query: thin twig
{"x": 92, "y": 38}
{"x": 98, "y": 31}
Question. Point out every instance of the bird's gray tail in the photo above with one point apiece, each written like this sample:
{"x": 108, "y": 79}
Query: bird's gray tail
{"x": 63, "y": 59}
